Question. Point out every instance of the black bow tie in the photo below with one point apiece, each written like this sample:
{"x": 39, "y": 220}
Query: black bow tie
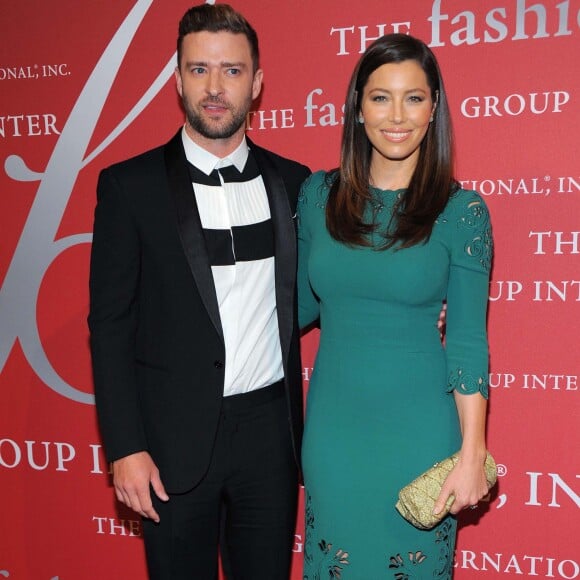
{"x": 229, "y": 174}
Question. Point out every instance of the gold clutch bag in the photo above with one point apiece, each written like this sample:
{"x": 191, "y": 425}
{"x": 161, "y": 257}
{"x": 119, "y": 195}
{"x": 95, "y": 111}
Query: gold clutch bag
{"x": 417, "y": 499}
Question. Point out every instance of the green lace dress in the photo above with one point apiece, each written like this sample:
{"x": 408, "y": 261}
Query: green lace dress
{"x": 380, "y": 409}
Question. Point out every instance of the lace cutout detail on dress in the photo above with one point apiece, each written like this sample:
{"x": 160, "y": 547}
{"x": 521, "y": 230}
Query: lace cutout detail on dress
{"x": 467, "y": 384}
{"x": 406, "y": 566}
{"x": 326, "y": 563}
{"x": 480, "y": 246}
{"x": 445, "y": 539}
{"x": 320, "y": 194}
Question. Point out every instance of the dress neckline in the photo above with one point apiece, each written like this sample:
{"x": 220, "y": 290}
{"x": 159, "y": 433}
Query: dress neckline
{"x": 375, "y": 189}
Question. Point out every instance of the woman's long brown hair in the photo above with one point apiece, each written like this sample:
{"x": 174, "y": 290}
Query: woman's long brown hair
{"x": 432, "y": 182}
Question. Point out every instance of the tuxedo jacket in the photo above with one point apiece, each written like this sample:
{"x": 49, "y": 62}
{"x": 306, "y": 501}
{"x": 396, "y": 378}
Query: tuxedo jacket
{"x": 157, "y": 342}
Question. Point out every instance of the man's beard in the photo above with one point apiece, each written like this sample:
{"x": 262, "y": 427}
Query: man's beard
{"x": 211, "y": 130}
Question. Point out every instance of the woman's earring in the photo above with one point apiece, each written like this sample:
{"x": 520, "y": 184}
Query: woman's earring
{"x": 361, "y": 119}
{"x": 431, "y": 119}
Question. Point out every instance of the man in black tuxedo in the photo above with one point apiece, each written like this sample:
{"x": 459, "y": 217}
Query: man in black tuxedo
{"x": 194, "y": 337}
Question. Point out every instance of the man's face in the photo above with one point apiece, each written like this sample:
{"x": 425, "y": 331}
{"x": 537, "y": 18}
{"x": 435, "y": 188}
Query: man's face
{"x": 217, "y": 85}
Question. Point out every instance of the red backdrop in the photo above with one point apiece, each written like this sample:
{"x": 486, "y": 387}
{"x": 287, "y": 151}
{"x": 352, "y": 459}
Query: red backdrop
{"x": 85, "y": 84}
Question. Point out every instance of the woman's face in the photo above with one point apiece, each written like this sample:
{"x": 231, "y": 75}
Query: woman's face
{"x": 396, "y": 107}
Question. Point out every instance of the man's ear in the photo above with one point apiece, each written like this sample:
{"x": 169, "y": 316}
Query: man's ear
{"x": 257, "y": 83}
{"x": 178, "y": 81}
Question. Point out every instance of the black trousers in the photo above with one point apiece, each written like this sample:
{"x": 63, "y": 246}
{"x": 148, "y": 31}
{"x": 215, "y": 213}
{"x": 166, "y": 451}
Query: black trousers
{"x": 249, "y": 495}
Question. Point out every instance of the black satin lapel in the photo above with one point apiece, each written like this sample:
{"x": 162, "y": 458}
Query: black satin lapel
{"x": 190, "y": 229}
{"x": 284, "y": 246}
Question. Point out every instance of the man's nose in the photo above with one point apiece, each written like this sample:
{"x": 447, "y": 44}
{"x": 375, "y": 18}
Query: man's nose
{"x": 214, "y": 83}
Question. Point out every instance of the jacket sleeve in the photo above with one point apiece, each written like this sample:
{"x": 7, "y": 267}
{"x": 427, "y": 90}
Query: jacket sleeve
{"x": 114, "y": 302}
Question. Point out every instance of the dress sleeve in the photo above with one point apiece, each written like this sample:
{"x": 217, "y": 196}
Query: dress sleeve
{"x": 467, "y": 295}
{"x": 308, "y": 304}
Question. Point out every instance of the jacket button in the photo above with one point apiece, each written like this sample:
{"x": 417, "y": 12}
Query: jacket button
{"x": 218, "y": 364}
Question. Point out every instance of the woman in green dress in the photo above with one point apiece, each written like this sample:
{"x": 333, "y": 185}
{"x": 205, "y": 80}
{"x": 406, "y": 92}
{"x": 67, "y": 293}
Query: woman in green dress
{"x": 384, "y": 240}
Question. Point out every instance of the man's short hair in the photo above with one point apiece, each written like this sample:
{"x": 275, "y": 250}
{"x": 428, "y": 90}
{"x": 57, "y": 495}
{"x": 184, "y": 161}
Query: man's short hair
{"x": 217, "y": 18}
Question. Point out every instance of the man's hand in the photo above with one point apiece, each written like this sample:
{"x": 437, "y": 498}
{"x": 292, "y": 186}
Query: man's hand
{"x": 132, "y": 476}
{"x": 442, "y": 321}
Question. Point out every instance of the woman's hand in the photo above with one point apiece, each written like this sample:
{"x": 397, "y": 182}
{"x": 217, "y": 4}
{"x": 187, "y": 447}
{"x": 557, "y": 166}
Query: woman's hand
{"x": 466, "y": 482}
